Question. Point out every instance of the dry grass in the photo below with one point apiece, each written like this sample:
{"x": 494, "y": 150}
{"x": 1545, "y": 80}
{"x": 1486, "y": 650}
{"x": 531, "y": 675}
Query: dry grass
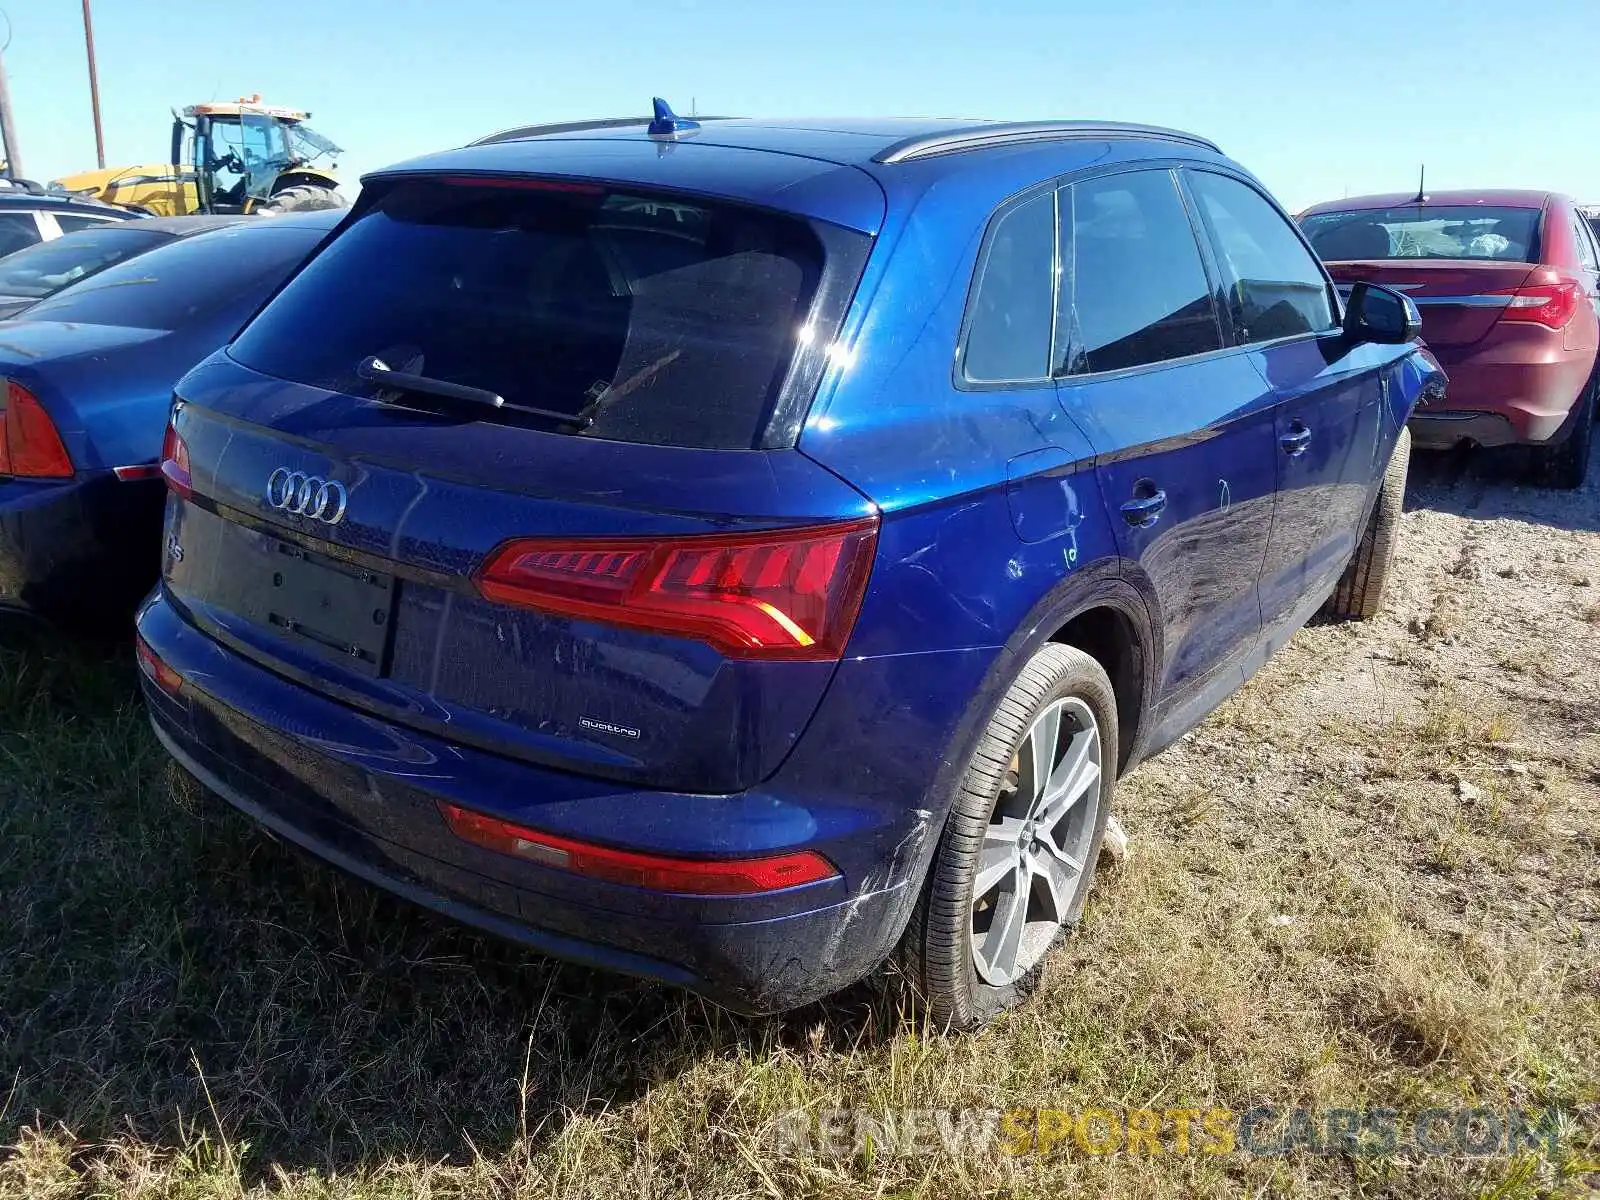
{"x": 1367, "y": 880}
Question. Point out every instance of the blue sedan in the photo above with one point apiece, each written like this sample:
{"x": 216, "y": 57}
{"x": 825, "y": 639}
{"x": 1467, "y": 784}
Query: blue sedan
{"x": 87, "y": 377}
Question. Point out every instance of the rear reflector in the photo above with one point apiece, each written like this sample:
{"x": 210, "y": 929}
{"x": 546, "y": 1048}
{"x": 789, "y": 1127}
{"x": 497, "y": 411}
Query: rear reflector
{"x": 163, "y": 676}
{"x": 779, "y": 594}
{"x": 689, "y": 876}
{"x": 1548, "y": 304}
{"x": 30, "y": 447}
{"x": 175, "y": 463}
{"x": 136, "y": 473}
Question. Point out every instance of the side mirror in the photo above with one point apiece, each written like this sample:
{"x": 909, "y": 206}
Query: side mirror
{"x": 1380, "y": 314}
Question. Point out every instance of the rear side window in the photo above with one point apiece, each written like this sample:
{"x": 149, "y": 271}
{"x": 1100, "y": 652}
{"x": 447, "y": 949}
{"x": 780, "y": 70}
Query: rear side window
{"x": 1139, "y": 292}
{"x": 1275, "y": 287}
{"x": 1013, "y": 305}
{"x": 72, "y": 222}
{"x": 646, "y": 318}
{"x": 1425, "y": 231}
{"x": 169, "y": 286}
{"x": 17, "y": 229}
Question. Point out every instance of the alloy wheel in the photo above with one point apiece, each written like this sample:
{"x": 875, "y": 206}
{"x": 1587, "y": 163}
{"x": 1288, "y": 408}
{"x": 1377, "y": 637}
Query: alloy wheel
{"x": 1032, "y": 862}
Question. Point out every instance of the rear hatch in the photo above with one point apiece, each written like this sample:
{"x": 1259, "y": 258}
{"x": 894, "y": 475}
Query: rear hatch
{"x": 512, "y": 461}
{"x": 1462, "y": 264}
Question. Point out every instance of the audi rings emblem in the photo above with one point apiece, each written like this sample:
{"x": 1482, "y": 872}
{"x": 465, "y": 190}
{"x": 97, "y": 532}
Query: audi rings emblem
{"x": 303, "y": 495}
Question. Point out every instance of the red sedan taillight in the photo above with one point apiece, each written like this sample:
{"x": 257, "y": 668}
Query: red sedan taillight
{"x": 1549, "y": 304}
{"x": 687, "y": 876}
{"x": 788, "y": 594}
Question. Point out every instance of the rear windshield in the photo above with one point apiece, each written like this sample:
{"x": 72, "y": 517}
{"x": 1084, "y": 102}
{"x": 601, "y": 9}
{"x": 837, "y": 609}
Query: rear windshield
{"x": 648, "y": 319}
{"x": 47, "y": 267}
{"x": 170, "y": 285}
{"x": 1425, "y": 231}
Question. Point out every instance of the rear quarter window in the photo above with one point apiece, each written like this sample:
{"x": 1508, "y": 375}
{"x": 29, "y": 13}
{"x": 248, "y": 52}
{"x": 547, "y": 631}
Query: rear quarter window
{"x": 1010, "y": 320}
{"x": 646, "y": 318}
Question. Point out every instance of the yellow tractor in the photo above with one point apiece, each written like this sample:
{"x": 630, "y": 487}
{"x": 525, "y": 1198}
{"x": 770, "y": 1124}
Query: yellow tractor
{"x": 244, "y": 157}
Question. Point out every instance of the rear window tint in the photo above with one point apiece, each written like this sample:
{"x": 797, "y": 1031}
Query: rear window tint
{"x": 169, "y": 286}
{"x": 659, "y": 320}
{"x": 46, "y": 268}
{"x": 1425, "y": 231}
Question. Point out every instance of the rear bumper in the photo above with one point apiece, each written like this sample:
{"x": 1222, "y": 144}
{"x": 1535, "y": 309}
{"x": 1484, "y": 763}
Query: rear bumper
{"x": 1443, "y": 430}
{"x": 1508, "y": 391}
{"x": 362, "y": 795}
{"x": 80, "y": 549}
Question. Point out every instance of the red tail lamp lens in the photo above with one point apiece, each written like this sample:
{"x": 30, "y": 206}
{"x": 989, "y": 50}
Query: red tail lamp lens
{"x": 175, "y": 463}
{"x": 779, "y": 594}
{"x": 30, "y": 446}
{"x": 163, "y": 676}
{"x": 1549, "y": 304}
{"x": 697, "y": 877}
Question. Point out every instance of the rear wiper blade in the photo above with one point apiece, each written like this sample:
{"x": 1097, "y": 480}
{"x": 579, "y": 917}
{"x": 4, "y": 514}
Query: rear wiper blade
{"x": 374, "y": 370}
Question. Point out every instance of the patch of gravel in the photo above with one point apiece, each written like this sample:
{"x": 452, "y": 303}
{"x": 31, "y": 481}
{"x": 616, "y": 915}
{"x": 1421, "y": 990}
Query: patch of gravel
{"x": 1446, "y": 753}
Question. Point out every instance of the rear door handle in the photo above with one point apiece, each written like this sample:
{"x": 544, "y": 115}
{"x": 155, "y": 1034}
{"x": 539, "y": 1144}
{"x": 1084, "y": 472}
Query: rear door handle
{"x": 1296, "y": 440}
{"x": 1142, "y": 511}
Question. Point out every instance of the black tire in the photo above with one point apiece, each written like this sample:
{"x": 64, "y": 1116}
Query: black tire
{"x": 936, "y": 952}
{"x": 1359, "y": 594}
{"x": 1566, "y": 465}
{"x": 303, "y": 197}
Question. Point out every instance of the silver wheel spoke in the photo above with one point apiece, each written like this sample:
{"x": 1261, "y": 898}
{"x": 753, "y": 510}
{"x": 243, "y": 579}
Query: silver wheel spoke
{"x": 1078, "y": 772}
{"x": 1004, "y": 938}
{"x": 1057, "y": 877}
{"x": 1049, "y": 848}
{"x": 1042, "y": 739}
{"x": 995, "y": 861}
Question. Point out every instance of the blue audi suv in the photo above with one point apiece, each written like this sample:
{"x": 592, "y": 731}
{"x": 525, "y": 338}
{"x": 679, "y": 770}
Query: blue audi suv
{"x": 740, "y": 553}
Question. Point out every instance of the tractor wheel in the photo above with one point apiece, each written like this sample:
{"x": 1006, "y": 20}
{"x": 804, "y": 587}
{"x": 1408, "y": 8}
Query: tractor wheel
{"x": 303, "y": 197}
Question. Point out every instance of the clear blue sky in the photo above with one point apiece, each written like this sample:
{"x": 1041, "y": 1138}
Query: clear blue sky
{"x": 1315, "y": 97}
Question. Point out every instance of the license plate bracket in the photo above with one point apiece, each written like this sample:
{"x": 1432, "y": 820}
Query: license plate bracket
{"x": 341, "y": 610}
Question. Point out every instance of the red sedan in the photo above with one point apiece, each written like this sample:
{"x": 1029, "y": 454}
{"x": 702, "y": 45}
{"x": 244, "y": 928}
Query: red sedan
{"x": 1509, "y": 287}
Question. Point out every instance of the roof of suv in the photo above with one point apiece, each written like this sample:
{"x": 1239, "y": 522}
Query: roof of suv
{"x": 857, "y": 141}
{"x": 847, "y": 172}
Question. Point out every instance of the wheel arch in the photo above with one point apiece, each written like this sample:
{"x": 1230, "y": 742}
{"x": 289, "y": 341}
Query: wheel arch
{"x": 1101, "y": 611}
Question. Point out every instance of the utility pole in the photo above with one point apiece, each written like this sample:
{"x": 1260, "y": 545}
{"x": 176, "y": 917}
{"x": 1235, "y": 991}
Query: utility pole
{"x": 94, "y": 87}
{"x": 8, "y": 131}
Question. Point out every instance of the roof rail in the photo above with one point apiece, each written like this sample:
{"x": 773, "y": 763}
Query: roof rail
{"x": 987, "y": 136}
{"x": 527, "y": 131}
{"x": 517, "y": 132}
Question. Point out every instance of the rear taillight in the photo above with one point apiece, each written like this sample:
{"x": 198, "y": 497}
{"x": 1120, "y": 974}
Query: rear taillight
{"x": 159, "y": 673}
{"x": 689, "y": 876}
{"x": 30, "y": 447}
{"x": 1548, "y": 304}
{"x": 175, "y": 463}
{"x": 780, "y": 594}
